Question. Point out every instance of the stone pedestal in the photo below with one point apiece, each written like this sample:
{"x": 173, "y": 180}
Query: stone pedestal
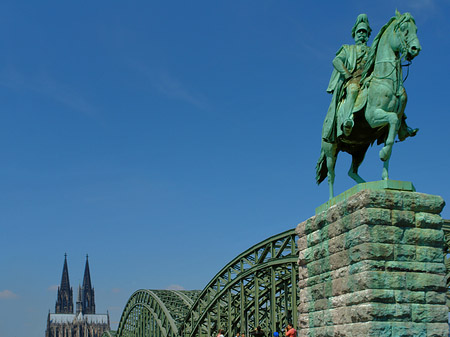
{"x": 373, "y": 265}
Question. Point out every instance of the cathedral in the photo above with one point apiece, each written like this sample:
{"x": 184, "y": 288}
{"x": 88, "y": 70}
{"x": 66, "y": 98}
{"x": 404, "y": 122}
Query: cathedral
{"x": 84, "y": 322}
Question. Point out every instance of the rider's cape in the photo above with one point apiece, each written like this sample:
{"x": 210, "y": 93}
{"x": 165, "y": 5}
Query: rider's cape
{"x": 347, "y": 54}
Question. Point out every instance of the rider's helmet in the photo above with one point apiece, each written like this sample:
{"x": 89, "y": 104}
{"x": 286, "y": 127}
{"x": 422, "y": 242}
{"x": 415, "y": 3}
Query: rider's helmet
{"x": 362, "y": 22}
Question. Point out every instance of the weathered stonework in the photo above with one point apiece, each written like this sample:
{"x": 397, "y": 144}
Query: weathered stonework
{"x": 373, "y": 265}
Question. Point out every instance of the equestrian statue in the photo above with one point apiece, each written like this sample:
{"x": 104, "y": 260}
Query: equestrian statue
{"x": 369, "y": 99}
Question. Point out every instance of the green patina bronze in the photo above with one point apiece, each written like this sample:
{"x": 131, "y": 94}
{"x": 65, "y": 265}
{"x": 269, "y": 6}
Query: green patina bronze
{"x": 369, "y": 98}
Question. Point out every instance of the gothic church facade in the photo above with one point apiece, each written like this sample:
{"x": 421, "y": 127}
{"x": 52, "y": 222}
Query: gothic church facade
{"x": 84, "y": 322}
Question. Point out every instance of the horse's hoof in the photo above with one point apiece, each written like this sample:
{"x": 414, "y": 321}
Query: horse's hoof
{"x": 384, "y": 154}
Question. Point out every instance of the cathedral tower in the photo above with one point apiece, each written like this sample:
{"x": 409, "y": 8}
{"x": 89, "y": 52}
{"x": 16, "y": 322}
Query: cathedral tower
{"x": 85, "y": 322}
{"x": 87, "y": 292}
{"x": 64, "y": 301}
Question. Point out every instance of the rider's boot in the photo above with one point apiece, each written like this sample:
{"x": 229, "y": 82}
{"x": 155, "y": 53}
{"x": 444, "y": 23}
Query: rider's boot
{"x": 405, "y": 131}
{"x": 412, "y": 132}
{"x": 347, "y": 127}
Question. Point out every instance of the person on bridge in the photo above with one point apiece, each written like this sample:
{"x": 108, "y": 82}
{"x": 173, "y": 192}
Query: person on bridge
{"x": 258, "y": 332}
{"x": 290, "y": 331}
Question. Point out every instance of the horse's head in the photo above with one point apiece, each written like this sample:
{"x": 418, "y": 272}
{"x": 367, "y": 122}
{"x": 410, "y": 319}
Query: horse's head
{"x": 405, "y": 31}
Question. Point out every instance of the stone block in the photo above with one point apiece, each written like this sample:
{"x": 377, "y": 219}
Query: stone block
{"x": 403, "y": 218}
{"x": 386, "y": 234}
{"x": 430, "y": 254}
{"x": 336, "y": 244}
{"x": 434, "y": 297}
{"x": 408, "y": 266}
{"x": 400, "y": 200}
{"x": 367, "y": 265}
{"x": 407, "y": 296}
{"x": 425, "y": 282}
{"x": 427, "y": 203}
{"x": 404, "y": 252}
{"x": 363, "y": 297}
{"x": 427, "y": 220}
{"x": 356, "y": 236}
{"x": 391, "y": 312}
{"x": 423, "y": 237}
{"x": 437, "y": 329}
{"x": 315, "y": 238}
{"x": 302, "y": 243}
{"x": 429, "y": 313}
{"x": 339, "y": 260}
{"x": 371, "y": 251}
{"x": 303, "y": 272}
{"x": 408, "y": 329}
{"x": 304, "y": 227}
{"x": 303, "y": 320}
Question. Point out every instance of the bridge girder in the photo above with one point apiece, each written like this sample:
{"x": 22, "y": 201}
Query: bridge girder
{"x": 257, "y": 288}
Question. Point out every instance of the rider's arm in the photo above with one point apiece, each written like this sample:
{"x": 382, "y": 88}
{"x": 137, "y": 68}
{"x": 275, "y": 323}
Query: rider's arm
{"x": 339, "y": 63}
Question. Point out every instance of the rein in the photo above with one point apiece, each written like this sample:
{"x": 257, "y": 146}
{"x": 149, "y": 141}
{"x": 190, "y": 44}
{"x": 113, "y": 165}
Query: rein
{"x": 397, "y": 62}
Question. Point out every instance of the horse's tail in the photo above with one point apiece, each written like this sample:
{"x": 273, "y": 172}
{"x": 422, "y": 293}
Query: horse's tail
{"x": 321, "y": 167}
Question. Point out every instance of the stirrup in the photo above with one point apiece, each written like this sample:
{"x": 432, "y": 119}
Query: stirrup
{"x": 347, "y": 127}
{"x": 349, "y": 123}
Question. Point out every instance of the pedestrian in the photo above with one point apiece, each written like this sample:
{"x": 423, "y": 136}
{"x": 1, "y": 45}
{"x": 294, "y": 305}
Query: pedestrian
{"x": 258, "y": 332}
{"x": 290, "y": 331}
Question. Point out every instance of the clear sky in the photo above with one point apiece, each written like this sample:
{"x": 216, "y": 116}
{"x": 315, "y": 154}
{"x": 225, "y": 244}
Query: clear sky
{"x": 163, "y": 138}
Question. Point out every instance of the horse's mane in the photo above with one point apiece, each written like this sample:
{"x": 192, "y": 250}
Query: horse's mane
{"x": 368, "y": 68}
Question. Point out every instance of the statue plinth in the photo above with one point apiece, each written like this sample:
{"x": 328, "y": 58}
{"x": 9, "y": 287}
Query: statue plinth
{"x": 372, "y": 185}
{"x": 372, "y": 264}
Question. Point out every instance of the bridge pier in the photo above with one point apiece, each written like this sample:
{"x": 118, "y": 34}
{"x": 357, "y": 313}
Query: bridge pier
{"x": 372, "y": 264}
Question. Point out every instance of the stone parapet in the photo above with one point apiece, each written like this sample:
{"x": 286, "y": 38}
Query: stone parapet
{"x": 373, "y": 265}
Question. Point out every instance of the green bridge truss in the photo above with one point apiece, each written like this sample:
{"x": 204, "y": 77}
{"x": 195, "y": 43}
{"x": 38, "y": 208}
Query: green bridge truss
{"x": 258, "y": 287}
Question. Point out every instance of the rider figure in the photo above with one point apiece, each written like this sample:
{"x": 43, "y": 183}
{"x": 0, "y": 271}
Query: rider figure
{"x": 350, "y": 62}
{"x": 345, "y": 82}
{"x": 348, "y": 67}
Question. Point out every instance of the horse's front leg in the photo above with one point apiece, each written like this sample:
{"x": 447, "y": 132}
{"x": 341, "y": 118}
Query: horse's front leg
{"x": 394, "y": 123}
{"x": 379, "y": 118}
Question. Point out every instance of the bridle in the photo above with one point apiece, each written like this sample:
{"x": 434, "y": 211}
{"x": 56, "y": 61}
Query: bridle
{"x": 402, "y": 61}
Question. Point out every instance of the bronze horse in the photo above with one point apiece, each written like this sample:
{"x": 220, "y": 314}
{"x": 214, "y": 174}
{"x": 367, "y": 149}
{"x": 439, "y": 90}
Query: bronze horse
{"x": 383, "y": 108}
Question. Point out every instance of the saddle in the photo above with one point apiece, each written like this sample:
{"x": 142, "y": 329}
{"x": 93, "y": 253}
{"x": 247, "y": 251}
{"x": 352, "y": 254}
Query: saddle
{"x": 361, "y": 99}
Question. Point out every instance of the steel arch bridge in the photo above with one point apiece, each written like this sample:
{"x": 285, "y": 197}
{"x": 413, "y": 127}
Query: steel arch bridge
{"x": 258, "y": 287}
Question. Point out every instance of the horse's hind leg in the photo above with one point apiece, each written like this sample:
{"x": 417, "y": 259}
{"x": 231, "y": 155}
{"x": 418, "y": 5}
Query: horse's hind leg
{"x": 357, "y": 159}
{"x": 385, "y": 174}
{"x": 331, "y": 155}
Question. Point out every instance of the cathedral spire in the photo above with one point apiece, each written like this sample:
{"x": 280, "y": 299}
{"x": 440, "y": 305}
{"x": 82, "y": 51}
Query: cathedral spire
{"x": 64, "y": 301}
{"x": 88, "y": 301}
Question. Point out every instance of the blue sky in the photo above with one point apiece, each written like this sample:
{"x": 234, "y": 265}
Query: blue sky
{"x": 164, "y": 138}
